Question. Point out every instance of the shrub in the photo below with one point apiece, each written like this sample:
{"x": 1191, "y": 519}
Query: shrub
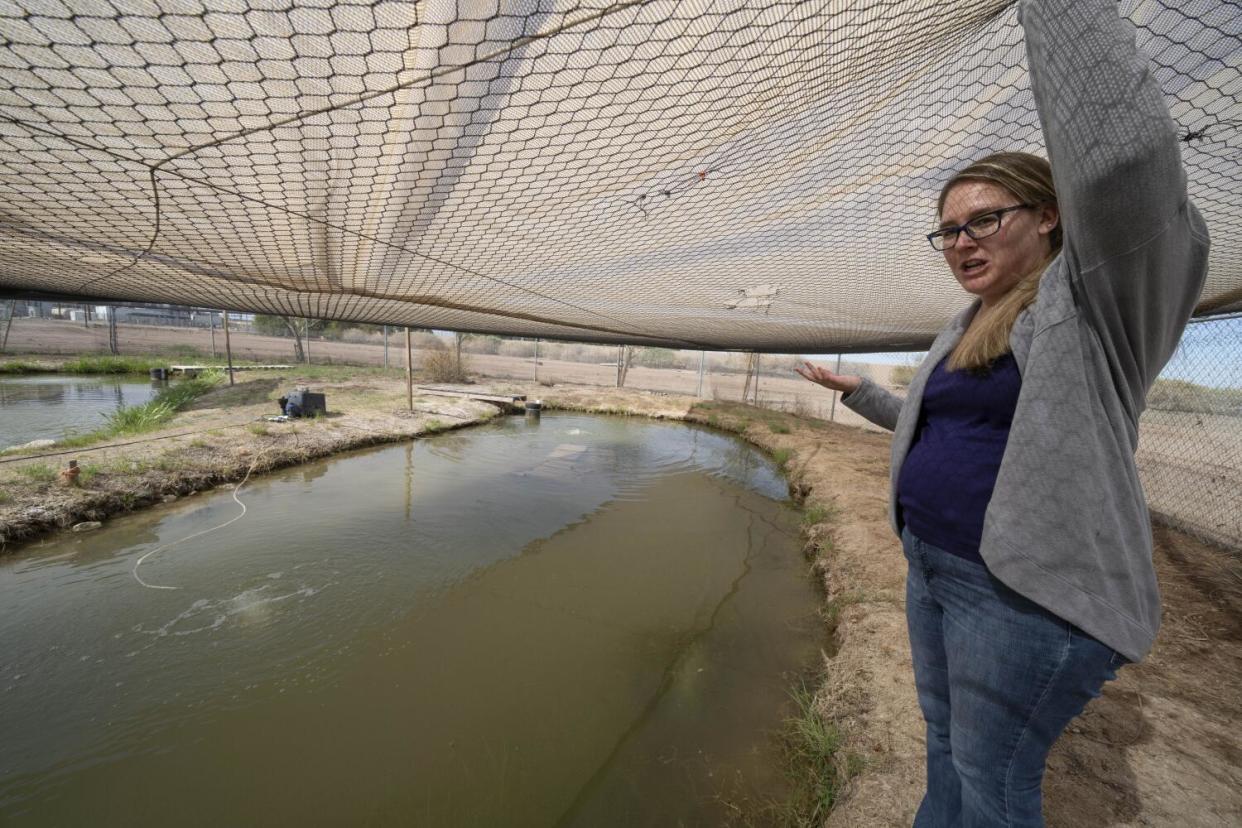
{"x": 442, "y": 366}
{"x": 902, "y": 374}
{"x": 480, "y": 344}
{"x": 517, "y": 348}
{"x": 656, "y": 358}
{"x": 1180, "y": 395}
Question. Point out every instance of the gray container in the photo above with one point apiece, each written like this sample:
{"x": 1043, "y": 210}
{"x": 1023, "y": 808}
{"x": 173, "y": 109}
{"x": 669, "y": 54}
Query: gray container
{"x": 306, "y": 403}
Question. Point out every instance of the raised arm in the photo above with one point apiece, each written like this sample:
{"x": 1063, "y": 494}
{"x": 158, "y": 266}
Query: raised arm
{"x": 860, "y": 394}
{"x": 1136, "y": 248}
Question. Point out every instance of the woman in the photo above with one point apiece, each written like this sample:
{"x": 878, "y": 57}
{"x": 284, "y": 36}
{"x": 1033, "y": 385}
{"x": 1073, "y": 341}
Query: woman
{"x": 1014, "y": 486}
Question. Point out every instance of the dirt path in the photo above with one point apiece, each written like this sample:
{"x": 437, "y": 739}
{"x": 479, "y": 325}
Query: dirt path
{"x": 1158, "y": 748}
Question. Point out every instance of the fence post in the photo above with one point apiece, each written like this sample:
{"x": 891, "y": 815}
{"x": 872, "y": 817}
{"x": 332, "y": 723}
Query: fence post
{"x": 409, "y": 370}
{"x": 702, "y": 361}
{"x": 536, "y": 359}
{"x": 385, "y": 347}
{"x": 8, "y": 324}
{"x": 758, "y": 374}
{"x": 228, "y": 346}
{"x": 211, "y": 323}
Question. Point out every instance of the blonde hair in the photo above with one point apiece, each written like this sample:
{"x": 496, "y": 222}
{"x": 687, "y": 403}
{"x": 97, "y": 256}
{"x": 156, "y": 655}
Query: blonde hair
{"x": 1029, "y": 179}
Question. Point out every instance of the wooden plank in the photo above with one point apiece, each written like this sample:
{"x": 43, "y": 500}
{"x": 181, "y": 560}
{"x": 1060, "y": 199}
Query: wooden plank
{"x": 514, "y": 400}
{"x": 185, "y": 369}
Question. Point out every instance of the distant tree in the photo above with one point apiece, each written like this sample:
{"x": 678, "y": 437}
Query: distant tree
{"x": 656, "y": 357}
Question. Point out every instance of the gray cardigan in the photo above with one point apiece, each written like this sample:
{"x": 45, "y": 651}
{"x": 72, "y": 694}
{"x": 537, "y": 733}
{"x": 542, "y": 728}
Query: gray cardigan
{"x": 1067, "y": 525}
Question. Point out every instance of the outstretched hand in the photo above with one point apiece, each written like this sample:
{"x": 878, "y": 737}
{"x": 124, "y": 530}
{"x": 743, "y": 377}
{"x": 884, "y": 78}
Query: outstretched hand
{"x": 845, "y": 383}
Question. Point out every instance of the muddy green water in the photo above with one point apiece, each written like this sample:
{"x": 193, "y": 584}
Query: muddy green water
{"x": 52, "y": 406}
{"x": 582, "y": 622}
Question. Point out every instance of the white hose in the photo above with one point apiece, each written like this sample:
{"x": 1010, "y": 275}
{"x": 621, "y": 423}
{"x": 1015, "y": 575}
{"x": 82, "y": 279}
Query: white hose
{"x": 236, "y": 489}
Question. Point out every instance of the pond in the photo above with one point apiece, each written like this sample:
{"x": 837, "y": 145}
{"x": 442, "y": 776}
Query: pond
{"x": 53, "y": 406}
{"x": 583, "y": 621}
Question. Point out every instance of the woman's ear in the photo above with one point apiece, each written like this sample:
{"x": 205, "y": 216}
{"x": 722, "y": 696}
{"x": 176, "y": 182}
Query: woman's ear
{"x": 1049, "y": 218}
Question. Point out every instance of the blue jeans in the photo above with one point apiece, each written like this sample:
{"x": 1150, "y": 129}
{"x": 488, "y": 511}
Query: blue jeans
{"x": 998, "y": 679}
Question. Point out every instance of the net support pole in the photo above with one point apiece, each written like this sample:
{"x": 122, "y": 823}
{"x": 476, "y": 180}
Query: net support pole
{"x": 757, "y": 380}
{"x": 702, "y": 364}
{"x": 536, "y": 359}
{"x": 409, "y": 370}
{"x": 8, "y": 323}
{"x": 385, "y": 347}
{"x": 832, "y": 413}
{"x": 306, "y": 334}
{"x": 211, "y": 323}
{"x": 228, "y": 346}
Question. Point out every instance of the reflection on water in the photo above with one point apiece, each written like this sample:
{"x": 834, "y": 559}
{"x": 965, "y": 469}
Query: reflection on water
{"x": 583, "y": 621}
{"x": 51, "y": 407}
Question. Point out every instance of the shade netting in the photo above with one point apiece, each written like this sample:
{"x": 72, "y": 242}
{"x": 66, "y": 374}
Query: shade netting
{"x": 742, "y": 175}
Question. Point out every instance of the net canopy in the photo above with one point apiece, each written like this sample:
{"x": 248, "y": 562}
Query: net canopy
{"x": 700, "y": 173}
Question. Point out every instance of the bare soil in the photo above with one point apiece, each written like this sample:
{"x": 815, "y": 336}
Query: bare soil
{"x": 1158, "y": 748}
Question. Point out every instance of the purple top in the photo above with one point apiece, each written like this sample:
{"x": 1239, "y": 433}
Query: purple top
{"x": 948, "y": 475}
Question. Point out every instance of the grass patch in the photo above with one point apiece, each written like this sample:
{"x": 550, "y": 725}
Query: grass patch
{"x": 5, "y": 497}
{"x": 38, "y": 473}
{"x": 816, "y": 514}
{"x": 136, "y": 419}
{"x": 19, "y": 367}
{"x": 778, "y": 428}
{"x": 108, "y": 364}
{"x": 816, "y": 772}
{"x": 133, "y": 419}
{"x": 259, "y": 429}
{"x": 781, "y": 456}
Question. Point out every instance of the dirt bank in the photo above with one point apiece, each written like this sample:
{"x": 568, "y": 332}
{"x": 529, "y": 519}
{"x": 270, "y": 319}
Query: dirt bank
{"x": 221, "y": 438}
{"x": 1158, "y": 748}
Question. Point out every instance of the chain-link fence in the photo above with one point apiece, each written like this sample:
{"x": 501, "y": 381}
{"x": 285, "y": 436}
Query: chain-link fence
{"x": 1190, "y": 438}
{"x": 1190, "y": 441}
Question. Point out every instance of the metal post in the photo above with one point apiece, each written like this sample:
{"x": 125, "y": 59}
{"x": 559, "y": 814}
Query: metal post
{"x": 385, "y": 347}
{"x": 113, "y": 345}
{"x": 702, "y": 362}
{"x": 409, "y": 370}
{"x": 536, "y": 359}
{"x": 306, "y": 334}
{"x": 211, "y": 323}
{"x": 8, "y": 324}
{"x": 832, "y": 414}
{"x": 757, "y": 380}
{"x": 228, "y": 346}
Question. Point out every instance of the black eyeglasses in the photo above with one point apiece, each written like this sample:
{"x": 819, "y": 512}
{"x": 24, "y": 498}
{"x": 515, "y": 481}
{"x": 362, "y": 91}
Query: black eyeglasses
{"x": 979, "y": 227}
